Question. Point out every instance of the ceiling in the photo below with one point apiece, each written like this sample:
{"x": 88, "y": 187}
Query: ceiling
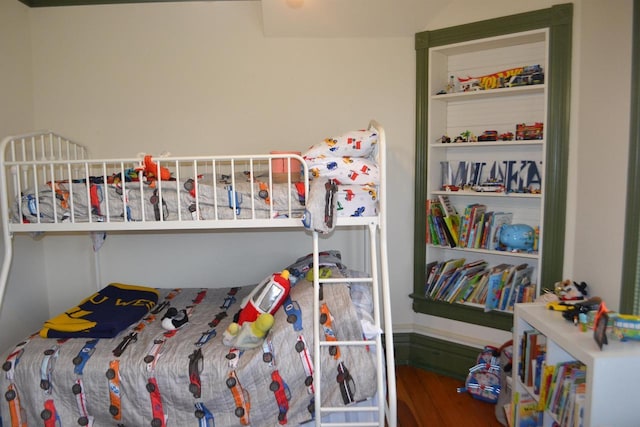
{"x": 320, "y": 18}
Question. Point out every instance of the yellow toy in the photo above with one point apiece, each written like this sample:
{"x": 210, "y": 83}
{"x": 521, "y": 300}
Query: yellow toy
{"x": 250, "y": 334}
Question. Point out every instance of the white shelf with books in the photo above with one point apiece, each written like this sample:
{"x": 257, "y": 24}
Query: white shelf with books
{"x": 486, "y": 118}
{"x": 569, "y": 379}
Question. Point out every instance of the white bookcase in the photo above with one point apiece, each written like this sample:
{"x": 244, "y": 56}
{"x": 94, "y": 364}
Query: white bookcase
{"x": 499, "y": 109}
{"x": 540, "y": 37}
{"x": 613, "y": 373}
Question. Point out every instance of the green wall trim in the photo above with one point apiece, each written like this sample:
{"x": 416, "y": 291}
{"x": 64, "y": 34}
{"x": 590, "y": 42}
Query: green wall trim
{"x": 559, "y": 20}
{"x": 433, "y": 354}
{"x": 464, "y": 313}
{"x": 629, "y": 292}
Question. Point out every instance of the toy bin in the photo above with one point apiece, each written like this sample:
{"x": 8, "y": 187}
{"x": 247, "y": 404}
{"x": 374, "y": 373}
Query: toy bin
{"x": 280, "y": 167}
{"x": 626, "y": 327}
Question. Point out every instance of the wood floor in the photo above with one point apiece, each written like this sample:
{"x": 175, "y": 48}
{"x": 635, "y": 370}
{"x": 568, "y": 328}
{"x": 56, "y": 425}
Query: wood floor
{"x": 426, "y": 399}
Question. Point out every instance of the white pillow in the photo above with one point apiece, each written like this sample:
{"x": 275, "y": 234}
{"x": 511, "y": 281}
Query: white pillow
{"x": 359, "y": 143}
{"x": 345, "y": 170}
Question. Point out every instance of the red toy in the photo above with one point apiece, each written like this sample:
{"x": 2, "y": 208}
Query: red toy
{"x": 152, "y": 171}
{"x": 267, "y": 297}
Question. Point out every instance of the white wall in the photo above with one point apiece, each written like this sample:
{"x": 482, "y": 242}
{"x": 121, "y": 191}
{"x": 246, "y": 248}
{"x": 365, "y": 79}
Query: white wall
{"x": 27, "y": 287}
{"x": 201, "y": 77}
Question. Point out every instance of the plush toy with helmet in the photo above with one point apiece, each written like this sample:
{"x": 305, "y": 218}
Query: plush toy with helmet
{"x": 256, "y": 315}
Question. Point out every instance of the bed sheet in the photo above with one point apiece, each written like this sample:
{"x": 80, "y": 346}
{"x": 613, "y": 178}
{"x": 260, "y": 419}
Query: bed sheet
{"x": 173, "y": 201}
{"x": 192, "y": 374}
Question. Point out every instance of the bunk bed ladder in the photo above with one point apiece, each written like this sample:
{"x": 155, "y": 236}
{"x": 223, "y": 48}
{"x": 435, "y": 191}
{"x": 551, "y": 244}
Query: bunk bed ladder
{"x": 385, "y": 372}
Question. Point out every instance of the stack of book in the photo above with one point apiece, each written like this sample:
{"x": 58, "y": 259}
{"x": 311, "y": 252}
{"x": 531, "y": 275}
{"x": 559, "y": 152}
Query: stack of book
{"x": 533, "y": 348}
{"x": 565, "y": 395}
{"x": 496, "y": 288}
{"x": 559, "y": 389}
{"x": 525, "y": 413}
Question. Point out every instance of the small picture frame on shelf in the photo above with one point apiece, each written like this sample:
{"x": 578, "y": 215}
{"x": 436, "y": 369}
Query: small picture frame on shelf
{"x": 600, "y": 326}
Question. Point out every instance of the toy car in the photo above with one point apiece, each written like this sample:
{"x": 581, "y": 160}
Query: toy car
{"x": 294, "y": 314}
{"x": 204, "y": 416}
{"x": 346, "y": 383}
{"x": 11, "y": 362}
{"x": 157, "y": 409}
{"x": 228, "y": 300}
{"x": 50, "y": 415}
{"x": 81, "y": 400}
{"x": 358, "y": 212}
{"x": 81, "y": 359}
{"x": 16, "y": 411}
{"x": 113, "y": 375}
{"x": 195, "y": 367}
{"x": 559, "y": 306}
{"x": 217, "y": 319}
{"x": 46, "y": 368}
{"x": 529, "y": 132}
{"x": 507, "y": 136}
{"x": 326, "y": 319}
{"x": 282, "y": 394}
{"x": 154, "y": 354}
{"x": 233, "y": 357}
{"x": 488, "y": 135}
{"x": 240, "y": 397}
{"x": 307, "y": 363}
{"x": 492, "y": 187}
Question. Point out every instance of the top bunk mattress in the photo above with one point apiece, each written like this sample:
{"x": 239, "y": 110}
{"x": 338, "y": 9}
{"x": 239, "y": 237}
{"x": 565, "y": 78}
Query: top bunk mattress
{"x": 49, "y": 184}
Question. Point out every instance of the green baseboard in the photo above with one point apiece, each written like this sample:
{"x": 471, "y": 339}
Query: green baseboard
{"x": 433, "y": 354}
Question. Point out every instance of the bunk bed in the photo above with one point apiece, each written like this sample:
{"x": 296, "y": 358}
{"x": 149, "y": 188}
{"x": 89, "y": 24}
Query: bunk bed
{"x": 312, "y": 366}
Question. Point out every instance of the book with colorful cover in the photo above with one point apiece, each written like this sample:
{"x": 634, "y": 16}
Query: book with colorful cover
{"x": 488, "y": 221}
{"x": 494, "y": 286}
{"x": 480, "y": 284}
{"x": 499, "y": 219}
{"x": 443, "y": 231}
{"x": 451, "y": 218}
{"x": 527, "y": 413}
{"x": 477, "y": 213}
{"x": 453, "y": 224}
{"x": 481, "y": 296}
{"x": 472, "y": 277}
{"x": 467, "y": 272}
{"x": 447, "y": 269}
{"x": 521, "y": 278}
{"x": 428, "y": 271}
{"x": 548, "y": 372}
{"x": 464, "y": 225}
{"x": 511, "y": 282}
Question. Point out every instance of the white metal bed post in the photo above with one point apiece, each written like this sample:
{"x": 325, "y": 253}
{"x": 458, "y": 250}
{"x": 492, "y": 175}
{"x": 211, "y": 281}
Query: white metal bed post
{"x": 8, "y": 255}
{"x": 386, "y": 293}
{"x": 6, "y": 235}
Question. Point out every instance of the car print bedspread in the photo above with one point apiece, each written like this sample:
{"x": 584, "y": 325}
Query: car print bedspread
{"x": 173, "y": 201}
{"x": 147, "y": 375}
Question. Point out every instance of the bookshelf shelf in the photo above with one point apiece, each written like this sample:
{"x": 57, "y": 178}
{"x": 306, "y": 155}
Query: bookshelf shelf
{"x": 488, "y": 194}
{"x": 532, "y": 39}
{"x": 612, "y": 375}
{"x": 492, "y": 144}
{"x": 493, "y": 93}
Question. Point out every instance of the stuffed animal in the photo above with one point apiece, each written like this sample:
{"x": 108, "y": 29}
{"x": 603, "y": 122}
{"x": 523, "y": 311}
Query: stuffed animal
{"x": 266, "y": 297}
{"x": 249, "y": 334}
{"x": 151, "y": 170}
{"x": 570, "y": 291}
{"x": 174, "y": 319}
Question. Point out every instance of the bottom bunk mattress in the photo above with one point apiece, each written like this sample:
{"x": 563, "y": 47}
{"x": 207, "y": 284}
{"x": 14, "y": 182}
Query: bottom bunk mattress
{"x": 148, "y": 375}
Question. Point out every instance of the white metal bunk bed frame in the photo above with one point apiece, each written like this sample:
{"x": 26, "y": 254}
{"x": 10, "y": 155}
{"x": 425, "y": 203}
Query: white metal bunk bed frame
{"x": 48, "y": 152}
